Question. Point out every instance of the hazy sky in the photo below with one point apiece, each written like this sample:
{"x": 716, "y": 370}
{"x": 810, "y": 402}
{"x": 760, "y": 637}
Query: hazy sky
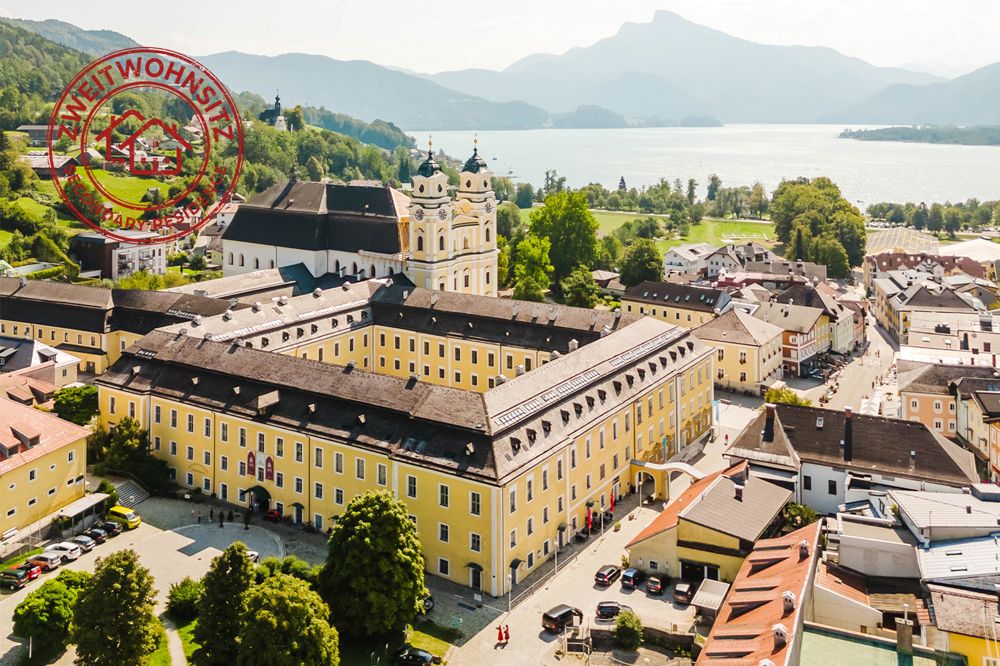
{"x": 947, "y": 37}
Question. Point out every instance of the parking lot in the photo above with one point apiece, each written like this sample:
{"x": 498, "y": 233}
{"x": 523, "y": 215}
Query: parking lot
{"x": 573, "y": 585}
{"x": 169, "y": 554}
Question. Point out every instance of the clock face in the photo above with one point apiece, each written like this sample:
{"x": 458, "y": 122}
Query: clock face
{"x": 419, "y": 214}
{"x": 489, "y": 207}
{"x": 442, "y": 214}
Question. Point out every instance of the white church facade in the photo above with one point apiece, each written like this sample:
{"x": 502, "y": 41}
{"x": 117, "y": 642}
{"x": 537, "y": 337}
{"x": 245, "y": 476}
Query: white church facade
{"x": 360, "y": 231}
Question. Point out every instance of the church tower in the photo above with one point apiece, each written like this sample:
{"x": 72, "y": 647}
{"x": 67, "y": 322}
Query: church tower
{"x": 430, "y": 262}
{"x": 474, "y": 228}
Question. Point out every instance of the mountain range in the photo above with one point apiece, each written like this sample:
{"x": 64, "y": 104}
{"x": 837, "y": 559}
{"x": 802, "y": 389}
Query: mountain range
{"x": 659, "y": 72}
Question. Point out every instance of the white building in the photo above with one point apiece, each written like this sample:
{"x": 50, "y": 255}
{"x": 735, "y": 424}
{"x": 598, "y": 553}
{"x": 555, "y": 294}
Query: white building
{"x": 687, "y": 258}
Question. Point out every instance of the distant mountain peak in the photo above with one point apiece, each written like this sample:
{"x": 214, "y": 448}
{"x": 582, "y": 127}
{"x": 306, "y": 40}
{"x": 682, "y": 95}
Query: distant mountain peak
{"x": 91, "y": 42}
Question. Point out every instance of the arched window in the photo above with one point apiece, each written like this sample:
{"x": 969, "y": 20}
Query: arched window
{"x": 441, "y": 242}
{"x": 270, "y": 264}
{"x": 241, "y": 259}
{"x": 371, "y": 273}
{"x": 230, "y": 258}
{"x": 465, "y": 243}
{"x": 487, "y": 234}
{"x": 354, "y": 268}
{"x": 487, "y": 277}
{"x": 256, "y": 263}
{"x": 420, "y": 243}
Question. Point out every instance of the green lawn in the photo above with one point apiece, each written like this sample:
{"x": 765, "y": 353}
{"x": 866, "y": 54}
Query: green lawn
{"x": 429, "y": 636}
{"x": 186, "y": 632}
{"x": 129, "y": 188}
{"x": 17, "y": 559}
{"x": 161, "y": 656}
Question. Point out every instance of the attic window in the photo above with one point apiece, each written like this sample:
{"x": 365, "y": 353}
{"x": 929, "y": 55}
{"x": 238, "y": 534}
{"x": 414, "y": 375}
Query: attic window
{"x": 515, "y": 443}
{"x": 618, "y": 386}
{"x": 663, "y": 361}
{"x": 602, "y": 394}
{"x": 531, "y": 435}
{"x": 361, "y": 419}
{"x": 314, "y": 328}
{"x": 547, "y": 426}
{"x": 630, "y": 379}
{"x": 565, "y": 415}
{"x": 285, "y": 335}
{"x": 578, "y": 408}
{"x": 333, "y": 323}
{"x": 673, "y": 355}
{"x": 642, "y": 373}
{"x": 652, "y": 366}
{"x": 819, "y": 422}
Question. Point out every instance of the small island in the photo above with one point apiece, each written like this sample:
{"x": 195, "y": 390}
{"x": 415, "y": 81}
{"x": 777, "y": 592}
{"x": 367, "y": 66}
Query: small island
{"x": 976, "y": 135}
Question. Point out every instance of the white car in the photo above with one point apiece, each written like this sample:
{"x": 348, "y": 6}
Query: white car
{"x": 68, "y": 551}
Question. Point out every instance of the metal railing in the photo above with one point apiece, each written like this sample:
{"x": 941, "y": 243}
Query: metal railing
{"x": 544, "y": 578}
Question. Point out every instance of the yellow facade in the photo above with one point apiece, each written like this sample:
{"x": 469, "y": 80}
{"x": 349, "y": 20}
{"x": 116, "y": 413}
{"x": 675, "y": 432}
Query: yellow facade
{"x": 741, "y": 367}
{"x": 975, "y": 648}
{"x": 701, "y": 545}
{"x": 823, "y": 333}
{"x": 34, "y": 485}
{"x": 521, "y": 519}
{"x": 678, "y": 316}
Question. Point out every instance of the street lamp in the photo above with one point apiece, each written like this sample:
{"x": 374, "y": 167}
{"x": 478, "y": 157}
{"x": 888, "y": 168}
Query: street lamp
{"x": 510, "y": 583}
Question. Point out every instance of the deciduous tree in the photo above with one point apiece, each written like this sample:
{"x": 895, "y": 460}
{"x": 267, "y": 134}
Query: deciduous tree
{"x": 113, "y": 619}
{"x": 77, "y": 404}
{"x": 785, "y": 396}
{"x": 286, "y": 624}
{"x": 373, "y": 579}
{"x": 579, "y": 289}
{"x": 532, "y": 268}
{"x": 222, "y": 606}
{"x": 642, "y": 262}
{"x": 567, "y": 222}
{"x": 508, "y": 219}
{"x": 45, "y": 616}
{"x": 525, "y": 195}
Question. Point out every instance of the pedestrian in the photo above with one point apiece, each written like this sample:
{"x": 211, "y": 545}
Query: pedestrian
{"x": 211, "y": 515}
{"x": 230, "y": 516}
{"x": 199, "y": 517}
{"x": 506, "y": 634}
{"x": 220, "y": 518}
{"x": 500, "y": 634}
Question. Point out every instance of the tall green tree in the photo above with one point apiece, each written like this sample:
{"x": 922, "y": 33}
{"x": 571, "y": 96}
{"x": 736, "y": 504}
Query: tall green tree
{"x": 222, "y": 606}
{"x": 128, "y": 445}
{"x": 508, "y": 219}
{"x": 642, "y": 262}
{"x": 798, "y": 249}
{"x": 692, "y": 191}
{"x": 77, "y": 404}
{"x": 935, "y": 218}
{"x": 286, "y": 624}
{"x": 532, "y": 268}
{"x": 45, "y": 616}
{"x": 113, "y": 619}
{"x": 567, "y": 222}
{"x": 610, "y": 253}
{"x": 579, "y": 289}
{"x": 714, "y": 183}
{"x": 315, "y": 169}
{"x": 758, "y": 202}
{"x": 503, "y": 261}
{"x": 295, "y": 120}
{"x": 373, "y": 579}
{"x": 525, "y": 196}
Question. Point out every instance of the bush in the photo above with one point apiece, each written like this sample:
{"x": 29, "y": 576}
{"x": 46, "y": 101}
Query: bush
{"x": 628, "y": 630}
{"x": 183, "y": 599}
{"x": 107, "y": 487}
{"x": 45, "y": 616}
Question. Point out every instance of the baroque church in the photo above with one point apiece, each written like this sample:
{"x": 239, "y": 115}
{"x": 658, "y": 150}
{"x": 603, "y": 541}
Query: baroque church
{"x": 363, "y": 230}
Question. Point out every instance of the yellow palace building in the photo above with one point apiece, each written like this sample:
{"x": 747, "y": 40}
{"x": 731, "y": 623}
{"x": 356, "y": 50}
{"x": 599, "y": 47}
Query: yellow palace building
{"x": 497, "y": 422}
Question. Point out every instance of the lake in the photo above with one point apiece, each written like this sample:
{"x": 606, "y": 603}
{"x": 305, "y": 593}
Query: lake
{"x": 866, "y": 171}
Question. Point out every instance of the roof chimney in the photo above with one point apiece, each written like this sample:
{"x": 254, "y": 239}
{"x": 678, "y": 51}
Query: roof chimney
{"x": 738, "y": 492}
{"x": 780, "y": 632}
{"x": 768, "y": 434}
{"x": 788, "y": 598}
{"x": 803, "y": 549}
{"x": 913, "y": 458}
{"x": 848, "y": 434}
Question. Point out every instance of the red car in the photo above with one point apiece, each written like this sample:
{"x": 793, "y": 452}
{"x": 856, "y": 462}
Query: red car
{"x": 33, "y": 570}
{"x": 273, "y": 515}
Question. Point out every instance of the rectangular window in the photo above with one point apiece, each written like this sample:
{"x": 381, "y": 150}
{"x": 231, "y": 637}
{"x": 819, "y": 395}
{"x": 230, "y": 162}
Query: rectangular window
{"x": 807, "y": 482}
{"x": 338, "y": 495}
{"x": 530, "y": 490}
{"x": 475, "y": 542}
{"x": 545, "y": 480}
{"x": 443, "y": 496}
{"x": 279, "y": 447}
{"x": 443, "y": 533}
{"x": 444, "y": 568}
{"x": 545, "y": 514}
{"x": 206, "y": 457}
{"x": 223, "y": 463}
{"x": 531, "y": 526}
{"x": 513, "y": 500}
{"x": 359, "y": 468}
{"x": 190, "y": 422}
{"x": 156, "y": 414}
{"x": 298, "y": 484}
{"x": 475, "y": 503}
{"x": 260, "y": 442}
{"x": 208, "y": 427}
{"x": 380, "y": 474}
{"x": 338, "y": 462}
{"x": 224, "y": 432}
{"x": 318, "y": 490}
{"x": 243, "y": 438}
{"x": 831, "y": 487}
{"x": 279, "y": 479}
{"x": 411, "y": 487}
{"x": 173, "y": 418}
{"x": 318, "y": 459}
{"x": 190, "y": 453}
{"x": 111, "y": 404}
{"x": 243, "y": 468}
{"x": 298, "y": 452}
{"x": 559, "y": 470}
{"x": 513, "y": 538}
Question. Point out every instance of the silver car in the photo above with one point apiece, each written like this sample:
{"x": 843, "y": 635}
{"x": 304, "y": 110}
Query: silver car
{"x": 85, "y": 543}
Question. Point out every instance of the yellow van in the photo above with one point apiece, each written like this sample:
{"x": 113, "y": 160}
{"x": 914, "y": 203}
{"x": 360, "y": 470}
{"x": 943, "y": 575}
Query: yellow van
{"x": 124, "y": 516}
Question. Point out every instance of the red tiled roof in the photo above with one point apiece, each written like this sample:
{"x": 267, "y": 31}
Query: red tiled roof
{"x": 743, "y": 630}
{"x": 843, "y": 582}
{"x": 53, "y": 432}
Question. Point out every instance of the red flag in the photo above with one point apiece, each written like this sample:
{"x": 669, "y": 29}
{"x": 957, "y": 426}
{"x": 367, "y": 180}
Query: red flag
{"x": 590, "y": 519}
{"x": 612, "y": 493}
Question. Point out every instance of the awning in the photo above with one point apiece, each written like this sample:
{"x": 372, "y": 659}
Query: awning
{"x": 515, "y": 563}
{"x": 474, "y": 566}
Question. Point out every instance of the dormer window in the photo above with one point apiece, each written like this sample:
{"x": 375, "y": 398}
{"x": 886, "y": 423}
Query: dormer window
{"x": 565, "y": 415}
{"x": 547, "y": 426}
{"x": 590, "y": 401}
{"x": 578, "y": 408}
{"x": 602, "y": 394}
{"x": 618, "y": 386}
{"x": 532, "y": 435}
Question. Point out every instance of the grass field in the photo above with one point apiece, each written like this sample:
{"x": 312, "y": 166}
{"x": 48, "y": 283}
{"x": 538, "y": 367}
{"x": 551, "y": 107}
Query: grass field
{"x": 426, "y": 636}
{"x": 712, "y": 231}
{"x": 186, "y": 632}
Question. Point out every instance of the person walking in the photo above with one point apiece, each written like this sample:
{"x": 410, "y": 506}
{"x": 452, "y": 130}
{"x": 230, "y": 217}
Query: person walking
{"x": 220, "y": 518}
{"x": 500, "y": 635}
{"x": 211, "y": 515}
{"x": 506, "y": 634}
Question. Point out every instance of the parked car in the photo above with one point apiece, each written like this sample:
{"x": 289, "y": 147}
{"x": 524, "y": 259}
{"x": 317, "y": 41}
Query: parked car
{"x": 125, "y": 516}
{"x": 111, "y": 528}
{"x": 410, "y": 656}
{"x": 97, "y": 534}
{"x": 273, "y": 515}
{"x": 607, "y": 574}
{"x": 85, "y": 543}
{"x": 66, "y": 550}
{"x": 656, "y": 585}
{"x": 14, "y": 579}
{"x": 33, "y": 570}
{"x": 47, "y": 561}
{"x": 632, "y": 578}
{"x": 684, "y": 592}
{"x": 558, "y": 618}
{"x": 609, "y": 610}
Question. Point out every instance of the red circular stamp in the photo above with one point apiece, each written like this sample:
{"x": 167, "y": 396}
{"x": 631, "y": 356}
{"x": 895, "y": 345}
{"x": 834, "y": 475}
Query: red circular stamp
{"x": 145, "y": 139}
